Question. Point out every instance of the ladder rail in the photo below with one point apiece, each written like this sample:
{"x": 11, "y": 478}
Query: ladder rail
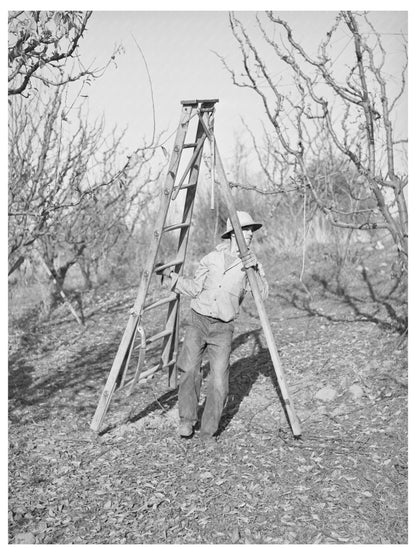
{"x": 160, "y": 302}
{"x": 169, "y": 342}
{"x": 166, "y": 195}
{"x": 191, "y": 162}
{"x": 140, "y": 362}
{"x": 123, "y": 371}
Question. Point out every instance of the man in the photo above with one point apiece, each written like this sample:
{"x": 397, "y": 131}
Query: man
{"x": 217, "y": 290}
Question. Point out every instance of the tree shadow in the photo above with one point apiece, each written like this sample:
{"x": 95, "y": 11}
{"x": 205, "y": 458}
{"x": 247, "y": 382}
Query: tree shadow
{"x": 19, "y": 382}
{"x": 72, "y": 381}
{"x": 69, "y": 385}
{"x": 121, "y": 305}
{"x": 382, "y": 311}
{"x": 383, "y": 314}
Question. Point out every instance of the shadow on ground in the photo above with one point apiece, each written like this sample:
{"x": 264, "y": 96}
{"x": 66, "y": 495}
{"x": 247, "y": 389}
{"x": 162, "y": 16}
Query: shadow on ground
{"x": 243, "y": 375}
{"x": 385, "y": 311}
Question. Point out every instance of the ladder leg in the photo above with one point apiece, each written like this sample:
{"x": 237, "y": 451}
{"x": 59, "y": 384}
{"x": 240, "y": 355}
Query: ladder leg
{"x": 173, "y": 370}
{"x": 110, "y": 386}
{"x": 168, "y": 342}
{"x": 141, "y": 359}
{"x": 125, "y": 365}
{"x": 251, "y": 274}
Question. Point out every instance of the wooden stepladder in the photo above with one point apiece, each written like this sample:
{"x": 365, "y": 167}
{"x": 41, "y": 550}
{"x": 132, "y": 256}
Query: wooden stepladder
{"x": 117, "y": 379}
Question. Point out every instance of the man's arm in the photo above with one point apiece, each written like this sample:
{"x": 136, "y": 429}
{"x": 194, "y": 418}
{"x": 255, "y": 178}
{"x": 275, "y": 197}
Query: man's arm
{"x": 249, "y": 260}
{"x": 191, "y": 287}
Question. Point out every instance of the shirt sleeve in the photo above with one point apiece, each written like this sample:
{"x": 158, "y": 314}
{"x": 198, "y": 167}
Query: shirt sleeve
{"x": 261, "y": 281}
{"x": 191, "y": 287}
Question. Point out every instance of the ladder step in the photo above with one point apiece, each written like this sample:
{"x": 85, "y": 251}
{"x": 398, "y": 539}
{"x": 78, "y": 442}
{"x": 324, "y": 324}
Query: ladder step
{"x": 189, "y": 102}
{"x": 143, "y": 375}
{"x": 199, "y": 101}
{"x": 173, "y": 361}
{"x": 189, "y": 145}
{"x": 169, "y": 264}
{"x": 158, "y": 336}
{"x": 153, "y": 369}
{"x": 148, "y": 373}
{"x": 182, "y": 186}
{"x": 175, "y": 226}
{"x": 186, "y": 186}
{"x": 161, "y": 302}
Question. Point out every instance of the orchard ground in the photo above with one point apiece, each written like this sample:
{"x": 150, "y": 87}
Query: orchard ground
{"x": 343, "y": 482}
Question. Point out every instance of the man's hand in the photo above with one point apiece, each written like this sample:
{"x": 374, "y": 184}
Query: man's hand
{"x": 166, "y": 272}
{"x": 249, "y": 260}
{"x": 162, "y": 273}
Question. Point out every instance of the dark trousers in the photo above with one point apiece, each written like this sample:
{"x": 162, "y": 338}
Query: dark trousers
{"x": 216, "y": 337}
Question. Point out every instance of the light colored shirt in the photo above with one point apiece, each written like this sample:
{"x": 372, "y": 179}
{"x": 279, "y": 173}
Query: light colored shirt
{"x": 219, "y": 284}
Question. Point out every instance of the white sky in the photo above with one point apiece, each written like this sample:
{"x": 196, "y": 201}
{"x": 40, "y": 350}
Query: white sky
{"x": 178, "y": 47}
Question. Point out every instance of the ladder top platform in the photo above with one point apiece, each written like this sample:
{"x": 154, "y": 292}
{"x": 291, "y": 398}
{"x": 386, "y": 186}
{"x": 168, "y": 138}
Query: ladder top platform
{"x": 196, "y": 102}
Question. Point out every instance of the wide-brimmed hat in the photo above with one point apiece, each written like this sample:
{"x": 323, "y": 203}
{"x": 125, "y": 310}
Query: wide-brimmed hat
{"x": 245, "y": 221}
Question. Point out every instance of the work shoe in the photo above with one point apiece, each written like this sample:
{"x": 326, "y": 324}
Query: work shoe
{"x": 185, "y": 429}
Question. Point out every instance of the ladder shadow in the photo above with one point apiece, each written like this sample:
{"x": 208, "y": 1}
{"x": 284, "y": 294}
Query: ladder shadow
{"x": 244, "y": 373}
{"x": 166, "y": 401}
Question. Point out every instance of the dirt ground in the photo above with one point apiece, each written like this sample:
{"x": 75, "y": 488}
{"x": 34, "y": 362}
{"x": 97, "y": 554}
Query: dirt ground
{"x": 343, "y": 482}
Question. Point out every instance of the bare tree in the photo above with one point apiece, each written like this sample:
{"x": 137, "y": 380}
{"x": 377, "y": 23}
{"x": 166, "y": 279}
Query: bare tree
{"x": 344, "y": 112}
{"x": 72, "y": 196}
{"x": 41, "y": 45}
